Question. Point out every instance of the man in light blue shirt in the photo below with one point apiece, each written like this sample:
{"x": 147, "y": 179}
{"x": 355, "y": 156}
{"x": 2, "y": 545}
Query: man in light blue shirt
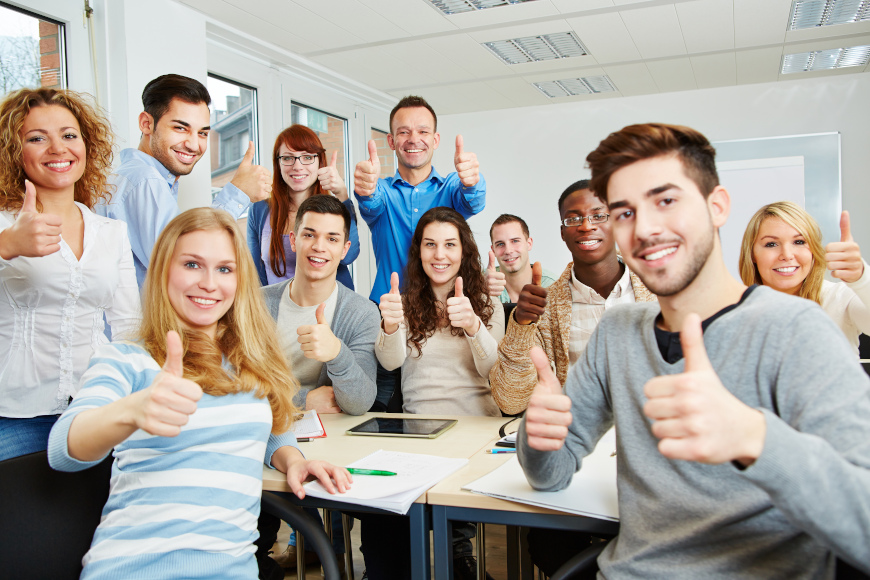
{"x": 392, "y": 206}
{"x": 175, "y": 128}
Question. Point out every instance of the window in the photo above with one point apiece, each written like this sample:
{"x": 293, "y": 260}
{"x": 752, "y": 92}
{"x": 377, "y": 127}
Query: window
{"x": 233, "y": 126}
{"x": 331, "y": 130}
{"x": 385, "y": 154}
{"x": 31, "y": 52}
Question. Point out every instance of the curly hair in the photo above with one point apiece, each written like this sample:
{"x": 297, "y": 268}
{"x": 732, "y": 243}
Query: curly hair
{"x": 246, "y": 335}
{"x": 800, "y": 219}
{"x": 96, "y": 134}
{"x": 423, "y": 312}
{"x": 295, "y": 138}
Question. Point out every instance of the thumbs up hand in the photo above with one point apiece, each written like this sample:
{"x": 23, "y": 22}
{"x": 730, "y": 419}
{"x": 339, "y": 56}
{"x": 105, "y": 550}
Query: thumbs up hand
{"x": 460, "y": 312}
{"x": 365, "y": 176}
{"x": 255, "y": 181}
{"x": 548, "y": 415}
{"x": 533, "y": 299}
{"x": 330, "y": 180}
{"x": 165, "y": 406}
{"x": 33, "y": 234}
{"x": 495, "y": 280}
{"x": 317, "y": 340}
{"x": 844, "y": 257}
{"x": 695, "y": 417}
{"x": 391, "y": 306}
{"x": 466, "y": 165}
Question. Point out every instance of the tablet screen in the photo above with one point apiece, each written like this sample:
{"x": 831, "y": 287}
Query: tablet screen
{"x": 403, "y": 427}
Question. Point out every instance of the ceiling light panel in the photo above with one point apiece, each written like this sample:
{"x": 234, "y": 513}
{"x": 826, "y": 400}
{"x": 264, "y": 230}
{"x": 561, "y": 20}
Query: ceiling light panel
{"x": 815, "y": 13}
{"x": 826, "y": 59}
{"x": 458, "y": 6}
{"x": 537, "y": 48}
{"x": 574, "y": 87}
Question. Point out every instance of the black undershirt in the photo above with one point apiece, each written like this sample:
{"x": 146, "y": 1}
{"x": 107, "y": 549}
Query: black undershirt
{"x": 669, "y": 342}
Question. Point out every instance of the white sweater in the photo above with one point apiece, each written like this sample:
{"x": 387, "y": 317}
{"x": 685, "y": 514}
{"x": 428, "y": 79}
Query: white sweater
{"x": 848, "y": 304}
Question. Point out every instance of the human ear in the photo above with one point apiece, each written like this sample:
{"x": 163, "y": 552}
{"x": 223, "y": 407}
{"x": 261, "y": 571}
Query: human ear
{"x": 719, "y": 206}
{"x": 390, "y": 141}
{"x": 293, "y": 242}
{"x": 146, "y": 123}
{"x": 346, "y": 249}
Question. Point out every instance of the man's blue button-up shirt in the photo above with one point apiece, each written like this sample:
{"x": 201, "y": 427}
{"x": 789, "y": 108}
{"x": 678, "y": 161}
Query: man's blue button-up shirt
{"x": 393, "y": 210}
{"x": 146, "y": 198}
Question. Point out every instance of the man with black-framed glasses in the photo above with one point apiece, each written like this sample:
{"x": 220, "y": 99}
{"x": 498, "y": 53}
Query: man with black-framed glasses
{"x": 561, "y": 318}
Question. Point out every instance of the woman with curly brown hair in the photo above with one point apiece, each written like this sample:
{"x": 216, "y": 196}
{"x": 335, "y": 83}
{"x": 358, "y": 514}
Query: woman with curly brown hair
{"x": 62, "y": 268}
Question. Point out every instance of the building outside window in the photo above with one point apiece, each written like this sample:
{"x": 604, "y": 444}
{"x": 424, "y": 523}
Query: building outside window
{"x": 31, "y": 51}
{"x": 233, "y": 126}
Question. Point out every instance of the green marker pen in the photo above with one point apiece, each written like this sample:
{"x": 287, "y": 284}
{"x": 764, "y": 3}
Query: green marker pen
{"x": 357, "y": 471}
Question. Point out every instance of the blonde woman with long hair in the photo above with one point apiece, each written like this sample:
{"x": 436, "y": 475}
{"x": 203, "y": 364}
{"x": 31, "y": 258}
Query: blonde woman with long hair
{"x": 782, "y": 248}
{"x": 63, "y": 269}
{"x": 193, "y": 409}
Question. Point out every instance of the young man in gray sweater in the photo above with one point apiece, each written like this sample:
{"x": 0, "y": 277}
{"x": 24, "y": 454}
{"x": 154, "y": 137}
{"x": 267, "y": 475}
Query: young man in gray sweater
{"x": 326, "y": 331}
{"x": 743, "y": 441}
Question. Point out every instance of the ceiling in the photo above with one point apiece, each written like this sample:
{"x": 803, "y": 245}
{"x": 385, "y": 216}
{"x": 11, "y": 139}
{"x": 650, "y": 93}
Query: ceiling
{"x": 644, "y": 46}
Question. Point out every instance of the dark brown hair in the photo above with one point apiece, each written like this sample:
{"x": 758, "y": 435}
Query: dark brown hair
{"x": 423, "y": 313}
{"x": 638, "y": 142}
{"x": 323, "y": 204}
{"x": 295, "y": 138}
{"x": 413, "y": 101}
{"x": 507, "y": 218}
{"x": 158, "y": 94}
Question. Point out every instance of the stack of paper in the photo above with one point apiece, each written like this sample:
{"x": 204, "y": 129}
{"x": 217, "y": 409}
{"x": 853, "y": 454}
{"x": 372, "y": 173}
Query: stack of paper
{"x": 415, "y": 474}
{"x": 592, "y": 491}
{"x": 308, "y": 426}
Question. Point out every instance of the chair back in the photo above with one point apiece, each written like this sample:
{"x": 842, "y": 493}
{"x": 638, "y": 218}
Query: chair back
{"x": 48, "y": 517}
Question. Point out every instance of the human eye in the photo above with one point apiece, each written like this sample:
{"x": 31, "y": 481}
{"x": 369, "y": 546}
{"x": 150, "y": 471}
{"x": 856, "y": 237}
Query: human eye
{"x": 599, "y": 216}
{"x": 308, "y": 158}
{"x": 800, "y": 242}
{"x": 203, "y": 134}
{"x": 225, "y": 270}
{"x": 665, "y": 201}
{"x": 770, "y": 245}
{"x": 190, "y": 264}
{"x": 35, "y": 139}
{"x": 307, "y": 235}
{"x": 70, "y": 135}
{"x": 624, "y": 215}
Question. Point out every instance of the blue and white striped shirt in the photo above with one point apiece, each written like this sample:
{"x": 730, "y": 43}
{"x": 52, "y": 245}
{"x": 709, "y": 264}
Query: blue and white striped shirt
{"x": 179, "y": 507}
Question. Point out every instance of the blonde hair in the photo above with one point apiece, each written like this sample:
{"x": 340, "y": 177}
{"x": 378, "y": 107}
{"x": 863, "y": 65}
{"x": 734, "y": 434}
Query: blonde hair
{"x": 798, "y": 218}
{"x": 246, "y": 335}
{"x": 96, "y": 134}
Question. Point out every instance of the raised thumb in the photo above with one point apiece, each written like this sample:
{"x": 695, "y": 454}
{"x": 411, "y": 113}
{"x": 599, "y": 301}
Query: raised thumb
{"x": 319, "y": 314}
{"x": 845, "y": 228}
{"x": 334, "y": 158}
{"x": 537, "y": 273}
{"x": 459, "y": 145}
{"x": 692, "y": 340}
{"x": 546, "y": 378}
{"x": 373, "y": 153}
{"x": 491, "y": 261}
{"x": 174, "y": 364}
{"x": 248, "y": 159}
{"x": 458, "y": 287}
{"x": 29, "y": 204}
{"x": 394, "y": 283}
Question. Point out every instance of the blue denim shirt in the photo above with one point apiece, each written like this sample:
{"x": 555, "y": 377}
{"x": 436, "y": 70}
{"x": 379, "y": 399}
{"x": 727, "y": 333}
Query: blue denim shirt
{"x": 393, "y": 210}
{"x": 146, "y": 198}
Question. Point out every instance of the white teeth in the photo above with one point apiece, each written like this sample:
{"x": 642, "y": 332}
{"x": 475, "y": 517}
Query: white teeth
{"x": 318, "y": 260}
{"x": 660, "y": 254}
{"x": 204, "y": 301}
{"x": 59, "y": 164}
{"x": 414, "y": 150}
{"x": 185, "y": 156}
{"x": 590, "y": 243}
{"x": 440, "y": 266}
{"x": 786, "y": 270}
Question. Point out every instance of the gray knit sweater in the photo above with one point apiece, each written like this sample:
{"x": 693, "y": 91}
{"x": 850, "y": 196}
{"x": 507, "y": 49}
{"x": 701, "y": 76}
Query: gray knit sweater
{"x": 808, "y": 493}
{"x": 356, "y": 323}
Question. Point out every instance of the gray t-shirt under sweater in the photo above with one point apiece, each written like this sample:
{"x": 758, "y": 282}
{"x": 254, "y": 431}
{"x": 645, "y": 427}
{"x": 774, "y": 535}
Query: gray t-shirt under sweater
{"x": 807, "y": 494}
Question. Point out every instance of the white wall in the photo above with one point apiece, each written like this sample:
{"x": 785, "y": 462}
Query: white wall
{"x": 530, "y": 155}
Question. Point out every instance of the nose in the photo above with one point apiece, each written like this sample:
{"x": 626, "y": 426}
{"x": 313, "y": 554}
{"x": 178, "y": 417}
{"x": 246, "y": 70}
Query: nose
{"x": 207, "y": 280}
{"x": 439, "y": 251}
{"x": 785, "y": 252}
{"x": 57, "y": 145}
{"x": 587, "y": 226}
{"x": 646, "y": 226}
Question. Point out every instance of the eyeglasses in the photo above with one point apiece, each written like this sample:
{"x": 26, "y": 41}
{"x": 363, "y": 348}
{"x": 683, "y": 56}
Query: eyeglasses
{"x": 290, "y": 160}
{"x": 598, "y": 218}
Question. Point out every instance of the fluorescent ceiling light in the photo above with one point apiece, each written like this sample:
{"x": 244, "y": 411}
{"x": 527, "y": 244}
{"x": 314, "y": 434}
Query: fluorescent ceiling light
{"x": 815, "y": 13}
{"x": 457, "y": 6}
{"x": 826, "y": 59}
{"x": 537, "y": 48}
{"x": 573, "y": 87}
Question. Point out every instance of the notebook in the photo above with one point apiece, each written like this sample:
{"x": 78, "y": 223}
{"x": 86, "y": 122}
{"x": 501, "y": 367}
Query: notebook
{"x": 308, "y": 426}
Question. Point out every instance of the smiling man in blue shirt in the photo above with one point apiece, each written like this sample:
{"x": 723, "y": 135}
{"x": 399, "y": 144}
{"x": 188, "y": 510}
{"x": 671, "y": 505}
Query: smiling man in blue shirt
{"x": 175, "y": 128}
{"x": 392, "y": 206}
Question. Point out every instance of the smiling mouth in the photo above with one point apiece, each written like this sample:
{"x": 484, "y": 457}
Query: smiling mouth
{"x": 786, "y": 269}
{"x": 316, "y": 261}
{"x": 660, "y": 254}
{"x": 184, "y": 157}
{"x": 440, "y": 267}
{"x": 58, "y": 164}
{"x": 589, "y": 244}
{"x": 413, "y": 150}
{"x": 203, "y": 301}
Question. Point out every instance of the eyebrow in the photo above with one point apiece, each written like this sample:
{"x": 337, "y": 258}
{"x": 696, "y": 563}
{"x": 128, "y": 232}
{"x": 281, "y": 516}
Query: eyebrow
{"x": 650, "y": 193}
{"x": 201, "y": 259}
{"x": 46, "y": 132}
{"x": 186, "y": 124}
{"x": 578, "y": 212}
{"x": 313, "y": 231}
{"x": 798, "y": 235}
{"x": 446, "y": 240}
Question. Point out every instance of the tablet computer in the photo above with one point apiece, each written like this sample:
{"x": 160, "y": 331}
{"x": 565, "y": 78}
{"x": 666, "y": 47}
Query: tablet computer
{"x": 388, "y": 427}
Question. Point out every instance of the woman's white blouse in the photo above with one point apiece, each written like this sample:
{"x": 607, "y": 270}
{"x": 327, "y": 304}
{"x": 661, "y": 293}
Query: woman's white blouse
{"x": 51, "y": 315}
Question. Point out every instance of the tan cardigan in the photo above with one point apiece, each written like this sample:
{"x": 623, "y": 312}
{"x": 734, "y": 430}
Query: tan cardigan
{"x": 514, "y": 377}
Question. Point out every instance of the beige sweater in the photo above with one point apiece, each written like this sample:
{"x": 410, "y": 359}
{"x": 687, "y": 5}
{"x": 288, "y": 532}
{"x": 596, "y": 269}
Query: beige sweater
{"x": 451, "y": 376}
